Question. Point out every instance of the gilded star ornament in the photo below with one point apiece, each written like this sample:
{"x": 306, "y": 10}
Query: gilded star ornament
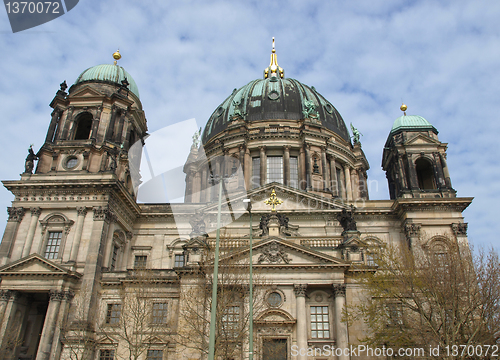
{"x": 273, "y": 201}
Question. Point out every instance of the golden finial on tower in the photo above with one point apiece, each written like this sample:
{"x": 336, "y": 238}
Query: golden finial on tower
{"x": 404, "y": 108}
{"x": 117, "y": 56}
{"x": 273, "y": 70}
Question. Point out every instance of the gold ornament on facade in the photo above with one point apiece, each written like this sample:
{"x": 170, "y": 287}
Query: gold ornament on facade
{"x": 274, "y": 69}
{"x": 273, "y": 201}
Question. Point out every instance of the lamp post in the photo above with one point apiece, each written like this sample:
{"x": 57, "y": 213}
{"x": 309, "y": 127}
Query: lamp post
{"x": 211, "y": 342}
{"x": 250, "y": 305}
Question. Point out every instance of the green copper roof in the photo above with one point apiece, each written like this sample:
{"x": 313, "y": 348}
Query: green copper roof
{"x": 412, "y": 122}
{"x": 108, "y": 72}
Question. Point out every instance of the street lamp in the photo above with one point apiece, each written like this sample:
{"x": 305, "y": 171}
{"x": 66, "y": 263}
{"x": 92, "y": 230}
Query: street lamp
{"x": 248, "y": 207}
{"x": 211, "y": 341}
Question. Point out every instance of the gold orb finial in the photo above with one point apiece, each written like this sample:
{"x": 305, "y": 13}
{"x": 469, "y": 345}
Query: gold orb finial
{"x": 117, "y": 55}
{"x": 403, "y": 108}
{"x": 274, "y": 70}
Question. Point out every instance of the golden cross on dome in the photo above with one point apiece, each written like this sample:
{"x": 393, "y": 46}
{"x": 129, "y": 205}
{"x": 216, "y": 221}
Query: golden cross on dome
{"x": 273, "y": 201}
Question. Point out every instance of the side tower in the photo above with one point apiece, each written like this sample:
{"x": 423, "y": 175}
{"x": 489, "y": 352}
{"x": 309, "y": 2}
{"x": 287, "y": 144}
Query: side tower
{"x": 73, "y": 216}
{"x": 415, "y": 160}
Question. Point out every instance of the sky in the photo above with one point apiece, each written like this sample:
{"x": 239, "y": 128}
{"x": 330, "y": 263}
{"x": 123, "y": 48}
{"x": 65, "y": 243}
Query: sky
{"x": 441, "y": 58}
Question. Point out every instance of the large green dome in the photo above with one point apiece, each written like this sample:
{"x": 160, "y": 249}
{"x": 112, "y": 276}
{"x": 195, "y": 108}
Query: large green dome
{"x": 411, "y": 122}
{"x": 275, "y": 98}
{"x": 108, "y": 73}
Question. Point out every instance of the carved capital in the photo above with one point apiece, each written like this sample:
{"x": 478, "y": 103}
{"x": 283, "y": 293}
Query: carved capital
{"x": 129, "y": 235}
{"x": 412, "y": 230}
{"x": 459, "y": 229}
{"x": 56, "y": 295}
{"x": 300, "y": 289}
{"x": 16, "y": 213}
{"x": 68, "y": 295}
{"x": 5, "y": 295}
{"x": 103, "y": 214}
{"x": 339, "y": 290}
{"x": 35, "y": 211}
{"x": 82, "y": 211}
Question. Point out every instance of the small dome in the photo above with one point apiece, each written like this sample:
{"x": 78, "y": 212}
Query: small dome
{"x": 411, "y": 122}
{"x": 108, "y": 73}
{"x": 275, "y": 98}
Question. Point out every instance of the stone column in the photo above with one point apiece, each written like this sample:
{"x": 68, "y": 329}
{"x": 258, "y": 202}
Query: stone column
{"x": 16, "y": 214}
{"x": 308, "y": 167}
{"x": 355, "y": 184}
{"x": 286, "y": 165}
{"x": 35, "y": 214}
{"x": 413, "y": 185}
{"x": 82, "y": 211}
{"x": 111, "y": 125}
{"x": 11, "y": 298}
{"x": 56, "y": 114}
{"x": 302, "y": 169}
{"x": 460, "y": 231}
{"x": 126, "y": 251}
{"x": 55, "y": 351}
{"x": 64, "y": 130}
{"x": 95, "y": 123}
{"x": 241, "y": 179}
{"x": 412, "y": 232}
{"x": 348, "y": 187}
{"x": 49, "y": 325}
{"x": 446, "y": 172}
{"x": 263, "y": 165}
{"x": 326, "y": 173}
{"x": 333, "y": 177}
{"x": 119, "y": 133}
{"x": 4, "y": 300}
{"x": 340, "y": 326}
{"x": 300, "y": 298}
{"x": 440, "y": 178}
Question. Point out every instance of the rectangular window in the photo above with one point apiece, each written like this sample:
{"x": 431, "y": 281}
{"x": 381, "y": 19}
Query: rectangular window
{"x": 140, "y": 261}
{"x": 106, "y": 355}
{"x": 159, "y": 313}
{"x": 395, "y": 312}
{"x": 53, "y": 244}
{"x": 231, "y": 320}
{"x": 179, "y": 260}
{"x": 113, "y": 314}
{"x": 274, "y": 169}
{"x": 294, "y": 172}
{"x": 155, "y": 355}
{"x": 320, "y": 328}
{"x": 114, "y": 257}
{"x": 255, "y": 180}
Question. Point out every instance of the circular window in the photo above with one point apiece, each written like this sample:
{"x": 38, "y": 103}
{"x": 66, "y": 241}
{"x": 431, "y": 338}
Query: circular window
{"x": 274, "y": 299}
{"x": 273, "y": 95}
{"x": 329, "y": 108}
{"x": 220, "y": 111}
{"x": 71, "y": 163}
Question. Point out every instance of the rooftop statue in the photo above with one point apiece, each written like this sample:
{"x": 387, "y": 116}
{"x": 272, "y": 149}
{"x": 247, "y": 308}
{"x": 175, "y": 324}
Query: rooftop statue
{"x": 355, "y": 135}
{"x": 196, "y": 139}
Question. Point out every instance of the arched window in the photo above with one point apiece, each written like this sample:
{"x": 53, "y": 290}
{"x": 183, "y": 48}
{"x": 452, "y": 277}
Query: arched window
{"x": 425, "y": 174}
{"x": 84, "y": 124}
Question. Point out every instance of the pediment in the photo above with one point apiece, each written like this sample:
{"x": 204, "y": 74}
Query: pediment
{"x": 292, "y": 200}
{"x": 422, "y": 139}
{"x": 274, "y": 316}
{"x": 275, "y": 251}
{"x": 86, "y": 91}
{"x": 36, "y": 265}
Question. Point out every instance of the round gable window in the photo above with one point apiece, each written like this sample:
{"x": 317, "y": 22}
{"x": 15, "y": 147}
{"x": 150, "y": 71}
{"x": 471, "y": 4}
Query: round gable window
{"x": 274, "y": 299}
{"x": 71, "y": 163}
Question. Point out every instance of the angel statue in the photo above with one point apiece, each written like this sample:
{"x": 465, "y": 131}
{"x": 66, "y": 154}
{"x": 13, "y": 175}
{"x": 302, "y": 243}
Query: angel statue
{"x": 30, "y": 160}
{"x": 196, "y": 139}
{"x": 355, "y": 135}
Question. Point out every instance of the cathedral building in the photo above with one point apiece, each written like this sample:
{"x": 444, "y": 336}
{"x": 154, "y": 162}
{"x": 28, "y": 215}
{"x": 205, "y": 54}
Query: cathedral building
{"x": 76, "y": 237}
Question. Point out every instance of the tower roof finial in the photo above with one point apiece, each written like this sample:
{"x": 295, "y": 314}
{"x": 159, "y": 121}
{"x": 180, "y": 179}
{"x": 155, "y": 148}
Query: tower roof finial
{"x": 273, "y": 70}
{"x": 403, "y": 108}
{"x": 117, "y": 56}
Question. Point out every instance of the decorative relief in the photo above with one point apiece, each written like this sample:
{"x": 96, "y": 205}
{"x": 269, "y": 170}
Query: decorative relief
{"x": 339, "y": 290}
{"x": 197, "y": 222}
{"x": 300, "y": 289}
{"x": 82, "y": 211}
{"x": 273, "y": 253}
{"x": 459, "y": 229}
{"x": 56, "y": 295}
{"x": 16, "y": 213}
{"x": 103, "y": 214}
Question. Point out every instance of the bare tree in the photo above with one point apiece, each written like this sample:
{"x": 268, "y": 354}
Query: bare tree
{"x": 139, "y": 317}
{"x": 433, "y": 296}
{"x": 232, "y": 317}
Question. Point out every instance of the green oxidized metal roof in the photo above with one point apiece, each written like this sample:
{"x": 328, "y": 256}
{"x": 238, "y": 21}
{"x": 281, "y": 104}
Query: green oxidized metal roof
{"x": 412, "y": 122}
{"x": 275, "y": 98}
{"x": 108, "y": 73}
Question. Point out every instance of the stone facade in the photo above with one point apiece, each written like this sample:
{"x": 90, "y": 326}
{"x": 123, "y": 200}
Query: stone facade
{"x": 76, "y": 235}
